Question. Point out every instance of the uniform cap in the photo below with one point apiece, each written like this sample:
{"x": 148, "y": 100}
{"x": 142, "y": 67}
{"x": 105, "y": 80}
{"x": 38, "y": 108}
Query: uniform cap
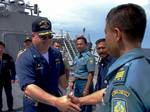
{"x": 27, "y": 39}
{"x": 42, "y": 26}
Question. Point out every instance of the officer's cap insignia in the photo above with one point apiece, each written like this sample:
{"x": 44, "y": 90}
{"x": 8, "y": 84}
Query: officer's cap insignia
{"x": 44, "y": 24}
{"x": 119, "y": 105}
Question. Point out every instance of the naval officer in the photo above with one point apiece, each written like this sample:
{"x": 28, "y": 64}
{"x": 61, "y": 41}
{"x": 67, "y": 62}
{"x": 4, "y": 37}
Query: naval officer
{"x": 84, "y": 66}
{"x": 40, "y": 68}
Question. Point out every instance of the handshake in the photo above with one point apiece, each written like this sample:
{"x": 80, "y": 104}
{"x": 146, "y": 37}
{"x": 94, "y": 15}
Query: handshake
{"x": 70, "y": 103}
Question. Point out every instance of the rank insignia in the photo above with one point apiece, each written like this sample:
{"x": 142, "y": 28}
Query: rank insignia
{"x": 121, "y": 75}
{"x": 91, "y": 60}
{"x": 57, "y": 61}
{"x": 119, "y": 105}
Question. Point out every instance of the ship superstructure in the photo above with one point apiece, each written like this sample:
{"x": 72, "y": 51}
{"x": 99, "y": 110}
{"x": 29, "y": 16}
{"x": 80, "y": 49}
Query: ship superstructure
{"x": 16, "y": 18}
{"x": 68, "y": 49}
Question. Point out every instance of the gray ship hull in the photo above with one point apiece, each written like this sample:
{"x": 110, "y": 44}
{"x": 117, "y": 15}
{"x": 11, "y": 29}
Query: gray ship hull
{"x": 14, "y": 28}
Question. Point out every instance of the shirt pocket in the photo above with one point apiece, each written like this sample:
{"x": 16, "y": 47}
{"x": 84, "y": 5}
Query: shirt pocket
{"x": 83, "y": 61}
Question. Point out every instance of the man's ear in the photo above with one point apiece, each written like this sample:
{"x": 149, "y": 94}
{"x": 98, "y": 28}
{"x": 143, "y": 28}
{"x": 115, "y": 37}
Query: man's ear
{"x": 117, "y": 34}
{"x": 33, "y": 34}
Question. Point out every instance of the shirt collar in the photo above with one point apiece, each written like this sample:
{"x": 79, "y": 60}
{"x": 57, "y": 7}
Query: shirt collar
{"x": 83, "y": 53}
{"x": 134, "y": 53}
{"x": 108, "y": 58}
{"x": 35, "y": 52}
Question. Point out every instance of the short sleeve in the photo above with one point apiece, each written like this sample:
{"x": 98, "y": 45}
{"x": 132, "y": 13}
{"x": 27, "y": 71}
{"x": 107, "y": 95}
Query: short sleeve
{"x": 25, "y": 70}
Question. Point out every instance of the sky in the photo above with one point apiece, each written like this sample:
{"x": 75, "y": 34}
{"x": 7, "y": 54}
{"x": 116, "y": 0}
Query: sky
{"x": 73, "y": 15}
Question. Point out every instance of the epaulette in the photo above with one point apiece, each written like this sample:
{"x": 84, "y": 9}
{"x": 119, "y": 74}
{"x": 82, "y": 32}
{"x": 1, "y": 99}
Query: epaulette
{"x": 121, "y": 75}
{"x": 20, "y": 52}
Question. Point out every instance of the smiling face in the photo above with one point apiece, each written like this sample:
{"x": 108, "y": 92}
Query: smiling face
{"x": 40, "y": 43}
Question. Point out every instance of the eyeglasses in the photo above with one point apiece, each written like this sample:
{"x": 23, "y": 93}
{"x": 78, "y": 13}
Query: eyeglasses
{"x": 44, "y": 37}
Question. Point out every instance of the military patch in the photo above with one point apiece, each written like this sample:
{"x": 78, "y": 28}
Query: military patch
{"x": 121, "y": 92}
{"x": 119, "y": 105}
{"x": 91, "y": 60}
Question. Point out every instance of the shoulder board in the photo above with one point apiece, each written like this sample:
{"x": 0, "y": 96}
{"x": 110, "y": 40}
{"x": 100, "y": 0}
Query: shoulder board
{"x": 20, "y": 53}
{"x": 120, "y": 77}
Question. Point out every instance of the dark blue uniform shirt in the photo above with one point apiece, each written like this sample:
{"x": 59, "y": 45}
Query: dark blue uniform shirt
{"x": 33, "y": 68}
{"x": 103, "y": 67}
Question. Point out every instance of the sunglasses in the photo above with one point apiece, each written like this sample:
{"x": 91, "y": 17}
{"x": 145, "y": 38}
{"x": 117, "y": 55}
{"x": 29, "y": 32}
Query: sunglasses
{"x": 44, "y": 37}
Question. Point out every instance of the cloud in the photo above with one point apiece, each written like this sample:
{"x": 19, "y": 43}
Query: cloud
{"x": 73, "y": 15}
{"x": 147, "y": 9}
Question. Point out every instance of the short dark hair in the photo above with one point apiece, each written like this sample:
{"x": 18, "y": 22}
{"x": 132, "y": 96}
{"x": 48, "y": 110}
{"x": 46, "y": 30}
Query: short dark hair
{"x": 81, "y": 37}
{"x": 130, "y": 18}
{"x": 1, "y": 43}
{"x": 56, "y": 41}
{"x": 100, "y": 40}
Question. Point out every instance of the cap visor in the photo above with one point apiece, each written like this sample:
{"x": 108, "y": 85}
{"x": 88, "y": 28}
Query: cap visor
{"x": 45, "y": 33}
{"x": 28, "y": 40}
